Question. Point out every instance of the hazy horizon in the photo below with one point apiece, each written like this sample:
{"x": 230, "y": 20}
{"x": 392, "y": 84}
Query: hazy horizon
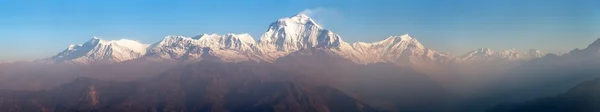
{"x": 33, "y": 30}
{"x": 300, "y": 56}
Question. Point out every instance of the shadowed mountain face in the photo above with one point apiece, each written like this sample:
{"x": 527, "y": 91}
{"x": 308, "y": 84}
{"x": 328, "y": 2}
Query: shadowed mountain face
{"x": 581, "y": 98}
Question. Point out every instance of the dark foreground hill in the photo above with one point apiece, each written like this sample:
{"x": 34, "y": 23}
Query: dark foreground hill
{"x": 584, "y": 97}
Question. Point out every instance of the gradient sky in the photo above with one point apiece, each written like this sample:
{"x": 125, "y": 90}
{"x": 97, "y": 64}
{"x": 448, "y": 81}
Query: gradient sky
{"x": 32, "y": 29}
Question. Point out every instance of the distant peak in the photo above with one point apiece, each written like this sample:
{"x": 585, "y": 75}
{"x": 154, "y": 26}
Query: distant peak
{"x": 484, "y": 49}
{"x": 511, "y": 50}
{"x": 233, "y": 34}
{"x": 301, "y": 15}
{"x": 205, "y": 35}
{"x": 214, "y": 35}
{"x": 199, "y": 36}
{"x": 298, "y": 19}
{"x": 95, "y": 40}
{"x": 241, "y": 35}
{"x": 487, "y": 50}
{"x": 173, "y": 37}
{"x": 596, "y": 43}
{"x": 534, "y": 50}
{"x": 401, "y": 37}
{"x": 74, "y": 45}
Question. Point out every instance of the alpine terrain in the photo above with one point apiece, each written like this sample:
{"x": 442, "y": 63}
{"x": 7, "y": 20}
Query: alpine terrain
{"x": 284, "y": 36}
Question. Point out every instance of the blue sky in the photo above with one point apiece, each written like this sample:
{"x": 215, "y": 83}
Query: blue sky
{"x": 36, "y": 29}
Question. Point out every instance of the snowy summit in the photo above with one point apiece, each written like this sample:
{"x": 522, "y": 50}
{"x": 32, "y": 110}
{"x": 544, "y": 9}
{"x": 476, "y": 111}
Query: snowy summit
{"x": 283, "y": 37}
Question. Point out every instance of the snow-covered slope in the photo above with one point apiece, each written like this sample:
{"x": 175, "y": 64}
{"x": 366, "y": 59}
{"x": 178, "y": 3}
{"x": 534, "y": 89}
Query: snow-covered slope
{"x": 291, "y": 34}
{"x": 230, "y": 47}
{"x": 399, "y": 49}
{"x": 283, "y": 37}
{"x": 486, "y": 54}
{"x": 98, "y": 50}
{"x": 288, "y": 35}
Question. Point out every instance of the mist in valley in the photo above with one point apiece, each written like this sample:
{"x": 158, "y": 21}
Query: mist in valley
{"x": 215, "y": 85}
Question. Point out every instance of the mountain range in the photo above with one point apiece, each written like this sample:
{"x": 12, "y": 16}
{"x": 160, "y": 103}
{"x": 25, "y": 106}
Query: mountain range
{"x": 284, "y": 36}
{"x": 296, "y": 65}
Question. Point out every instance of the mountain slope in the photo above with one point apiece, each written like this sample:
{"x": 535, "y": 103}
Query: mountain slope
{"x": 486, "y": 54}
{"x": 403, "y": 50}
{"x": 591, "y": 52}
{"x": 283, "y": 37}
{"x": 98, "y": 50}
{"x": 547, "y": 76}
{"x": 288, "y": 35}
{"x": 231, "y": 47}
{"x": 298, "y": 32}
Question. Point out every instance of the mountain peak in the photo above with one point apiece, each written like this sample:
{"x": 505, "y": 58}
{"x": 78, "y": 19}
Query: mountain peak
{"x": 485, "y": 49}
{"x": 241, "y": 34}
{"x": 174, "y": 36}
{"x": 206, "y": 36}
{"x": 511, "y": 50}
{"x": 92, "y": 42}
{"x": 298, "y": 19}
{"x": 509, "y": 54}
{"x": 296, "y": 32}
{"x": 199, "y": 36}
{"x": 402, "y": 37}
{"x": 284, "y": 36}
{"x": 97, "y": 50}
{"x": 301, "y": 15}
{"x": 596, "y": 43}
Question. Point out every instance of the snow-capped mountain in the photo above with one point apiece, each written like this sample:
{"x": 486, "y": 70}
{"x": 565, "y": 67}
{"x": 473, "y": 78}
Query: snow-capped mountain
{"x": 230, "y": 47}
{"x": 399, "y": 49}
{"x": 98, "y": 50}
{"x": 486, "y": 54}
{"x": 288, "y": 35}
{"x": 284, "y": 36}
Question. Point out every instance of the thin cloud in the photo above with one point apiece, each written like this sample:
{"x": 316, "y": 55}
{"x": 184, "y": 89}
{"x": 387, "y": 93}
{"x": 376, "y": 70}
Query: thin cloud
{"x": 312, "y": 12}
{"x": 322, "y": 15}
